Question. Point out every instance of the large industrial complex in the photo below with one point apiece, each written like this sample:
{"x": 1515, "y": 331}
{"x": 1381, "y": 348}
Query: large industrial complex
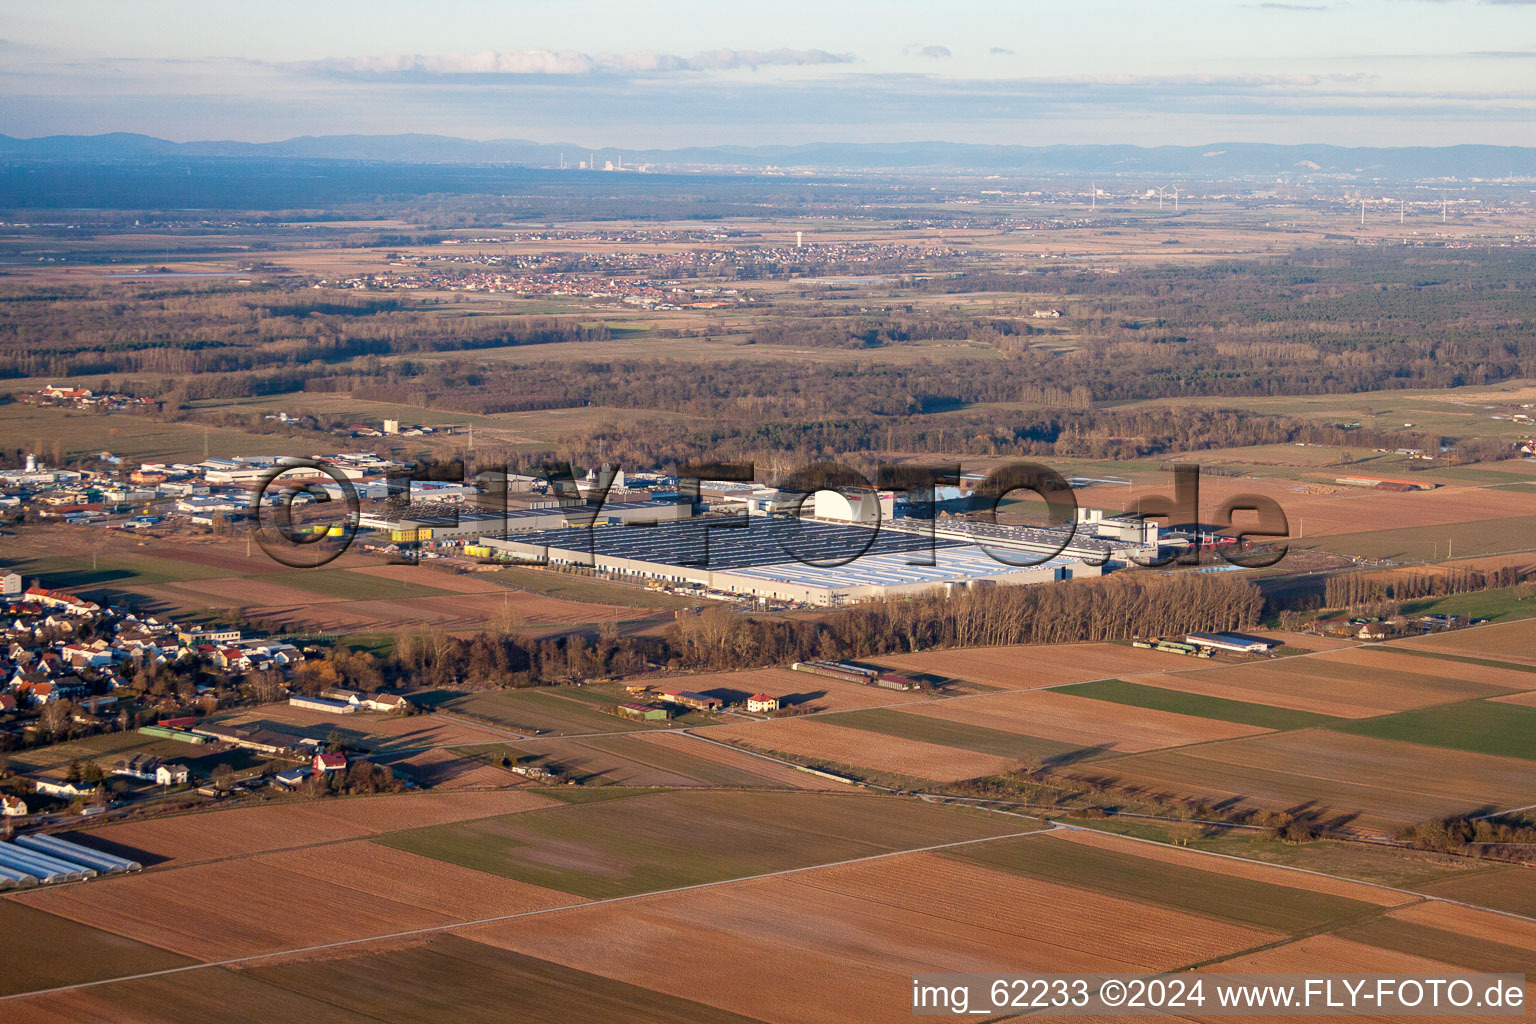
{"x": 773, "y": 558}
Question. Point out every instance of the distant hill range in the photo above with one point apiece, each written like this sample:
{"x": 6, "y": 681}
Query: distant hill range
{"x": 1217, "y": 160}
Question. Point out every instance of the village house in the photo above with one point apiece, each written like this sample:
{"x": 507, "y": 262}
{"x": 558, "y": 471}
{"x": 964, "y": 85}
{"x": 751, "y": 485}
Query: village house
{"x": 325, "y": 762}
{"x": 171, "y": 774}
{"x": 761, "y": 702}
{"x": 13, "y": 806}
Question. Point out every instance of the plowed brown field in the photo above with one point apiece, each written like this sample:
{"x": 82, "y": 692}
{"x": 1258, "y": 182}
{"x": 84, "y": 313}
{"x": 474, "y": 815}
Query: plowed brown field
{"x": 847, "y": 939}
{"x": 232, "y": 833}
{"x": 833, "y": 744}
{"x": 1061, "y": 716}
{"x": 1032, "y": 666}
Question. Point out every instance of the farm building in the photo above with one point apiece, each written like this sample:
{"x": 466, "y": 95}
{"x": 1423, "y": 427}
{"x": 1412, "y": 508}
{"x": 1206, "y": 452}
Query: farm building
{"x": 249, "y": 737}
{"x": 762, "y": 702}
{"x": 60, "y": 787}
{"x": 689, "y": 699}
{"x": 1241, "y": 643}
{"x": 643, "y": 712}
{"x": 139, "y": 766}
{"x": 327, "y": 704}
{"x": 291, "y": 778}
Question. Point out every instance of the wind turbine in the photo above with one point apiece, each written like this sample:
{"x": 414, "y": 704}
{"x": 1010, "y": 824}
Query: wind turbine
{"x": 1093, "y": 195}
{"x": 1175, "y": 198}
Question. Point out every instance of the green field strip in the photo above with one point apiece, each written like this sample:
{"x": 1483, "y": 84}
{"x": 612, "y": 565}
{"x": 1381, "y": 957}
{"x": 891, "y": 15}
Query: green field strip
{"x": 945, "y": 733}
{"x": 1157, "y": 698}
{"x": 454, "y": 978}
{"x": 1508, "y": 887}
{"x": 532, "y": 710}
{"x": 1145, "y": 880}
{"x": 1446, "y": 946}
{"x": 654, "y": 755}
{"x": 1465, "y": 659}
{"x": 688, "y": 837}
{"x": 1476, "y": 726}
{"x": 42, "y": 950}
{"x": 353, "y": 586}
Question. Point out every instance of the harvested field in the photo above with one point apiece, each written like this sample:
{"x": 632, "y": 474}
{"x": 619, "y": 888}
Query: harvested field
{"x": 187, "y": 838}
{"x": 1395, "y": 662}
{"x": 438, "y": 886}
{"x": 445, "y": 770}
{"x": 658, "y": 841}
{"x": 229, "y": 909}
{"x": 40, "y": 950}
{"x": 1181, "y": 887}
{"x": 943, "y": 732}
{"x": 1327, "y": 687}
{"x": 836, "y": 745}
{"x": 1526, "y": 699}
{"x": 591, "y": 763}
{"x": 1433, "y": 942}
{"x": 1370, "y": 784}
{"x": 541, "y": 710}
{"x": 1483, "y": 925}
{"x": 212, "y": 996}
{"x": 1319, "y": 953}
{"x": 1265, "y": 716}
{"x": 1034, "y": 666}
{"x": 1501, "y": 888}
{"x": 1234, "y": 868}
{"x": 1084, "y": 722}
{"x": 1504, "y": 641}
{"x": 452, "y": 979}
{"x": 856, "y": 933}
{"x": 709, "y": 763}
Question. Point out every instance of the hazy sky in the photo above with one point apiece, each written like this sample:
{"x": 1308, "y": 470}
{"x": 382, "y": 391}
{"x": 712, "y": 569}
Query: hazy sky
{"x": 686, "y": 72}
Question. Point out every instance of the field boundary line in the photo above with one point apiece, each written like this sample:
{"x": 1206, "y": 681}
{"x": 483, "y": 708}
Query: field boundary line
{"x": 455, "y": 926}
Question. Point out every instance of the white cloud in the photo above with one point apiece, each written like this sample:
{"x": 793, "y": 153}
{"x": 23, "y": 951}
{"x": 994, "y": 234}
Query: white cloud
{"x": 565, "y": 62}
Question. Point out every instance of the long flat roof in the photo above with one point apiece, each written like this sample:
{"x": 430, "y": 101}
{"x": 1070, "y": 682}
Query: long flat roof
{"x": 732, "y": 542}
{"x": 953, "y": 564}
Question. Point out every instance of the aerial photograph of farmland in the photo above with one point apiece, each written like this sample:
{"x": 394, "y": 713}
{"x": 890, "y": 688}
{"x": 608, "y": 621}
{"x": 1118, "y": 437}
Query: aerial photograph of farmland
{"x": 799, "y": 514}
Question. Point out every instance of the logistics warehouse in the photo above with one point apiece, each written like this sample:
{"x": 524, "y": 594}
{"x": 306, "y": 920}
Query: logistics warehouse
{"x": 792, "y": 560}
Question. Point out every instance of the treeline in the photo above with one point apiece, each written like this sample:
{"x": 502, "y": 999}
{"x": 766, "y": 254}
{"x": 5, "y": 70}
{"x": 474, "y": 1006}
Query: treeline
{"x": 222, "y": 329}
{"x": 1116, "y": 607}
{"x": 870, "y": 332}
{"x": 1044, "y": 434}
{"x": 1357, "y": 588}
{"x": 1477, "y": 837}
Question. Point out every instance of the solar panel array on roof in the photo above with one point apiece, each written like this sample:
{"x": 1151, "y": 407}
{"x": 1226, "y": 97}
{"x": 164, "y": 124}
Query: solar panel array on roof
{"x": 953, "y": 565}
{"x": 733, "y": 542}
